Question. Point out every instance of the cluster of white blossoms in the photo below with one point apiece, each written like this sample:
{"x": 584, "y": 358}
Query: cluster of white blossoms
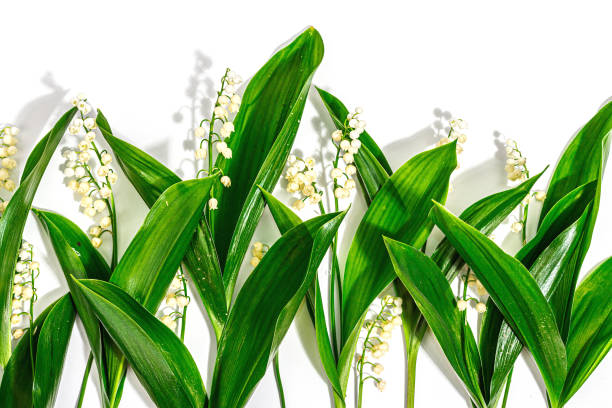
{"x": 176, "y": 299}
{"x": 219, "y": 128}
{"x": 347, "y": 144}
{"x": 92, "y": 183}
{"x": 516, "y": 170}
{"x": 375, "y": 345}
{"x": 457, "y": 126}
{"x": 24, "y": 292}
{"x": 258, "y": 251}
{"x": 301, "y": 180}
{"x": 8, "y": 148}
{"x": 475, "y": 285}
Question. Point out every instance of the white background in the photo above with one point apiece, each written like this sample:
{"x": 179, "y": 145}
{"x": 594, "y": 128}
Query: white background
{"x": 533, "y": 71}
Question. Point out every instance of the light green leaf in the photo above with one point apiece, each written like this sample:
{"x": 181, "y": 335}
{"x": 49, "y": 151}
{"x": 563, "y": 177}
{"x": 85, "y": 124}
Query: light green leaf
{"x": 265, "y": 128}
{"x": 435, "y": 299}
{"x": 13, "y": 222}
{"x": 287, "y": 270}
{"x": 515, "y": 293}
{"x": 160, "y": 360}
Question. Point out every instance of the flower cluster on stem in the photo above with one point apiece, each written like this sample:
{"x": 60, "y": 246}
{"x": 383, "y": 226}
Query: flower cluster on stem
{"x": 94, "y": 183}
{"x": 516, "y": 170}
{"x": 214, "y": 132}
{"x": 175, "y": 303}
{"x": 455, "y": 132}
{"x": 378, "y": 331}
{"x": 8, "y": 148}
{"x": 24, "y": 290}
{"x": 347, "y": 145}
{"x": 302, "y": 180}
{"x": 258, "y": 251}
{"x": 463, "y": 301}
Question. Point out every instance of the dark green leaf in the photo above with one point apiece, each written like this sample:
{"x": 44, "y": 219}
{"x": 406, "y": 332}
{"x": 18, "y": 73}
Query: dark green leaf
{"x": 435, "y": 299}
{"x": 287, "y": 271}
{"x": 400, "y": 211}
{"x": 265, "y": 128}
{"x": 51, "y": 351}
{"x": 160, "y": 360}
{"x": 583, "y": 161}
{"x": 13, "y": 222}
{"x": 515, "y": 293}
{"x": 151, "y": 178}
{"x": 590, "y": 335}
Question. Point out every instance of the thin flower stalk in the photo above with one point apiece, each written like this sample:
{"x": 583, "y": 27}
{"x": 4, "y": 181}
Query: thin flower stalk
{"x": 175, "y": 304}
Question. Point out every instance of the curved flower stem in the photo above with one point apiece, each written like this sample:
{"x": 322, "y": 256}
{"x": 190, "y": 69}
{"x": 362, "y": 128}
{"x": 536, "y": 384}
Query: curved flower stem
{"x": 507, "y": 389}
{"x": 84, "y": 382}
{"x": 184, "y": 314}
{"x": 279, "y": 383}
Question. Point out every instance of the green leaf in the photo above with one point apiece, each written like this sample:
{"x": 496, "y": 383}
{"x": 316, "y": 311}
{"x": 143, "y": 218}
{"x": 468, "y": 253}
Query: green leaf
{"x": 265, "y": 128}
{"x": 51, "y": 351}
{"x": 590, "y": 335}
{"x": 13, "y": 222}
{"x": 372, "y": 165}
{"x": 484, "y": 215}
{"x": 151, "y": 178}
{"x": 548, "y": 269}
{"x": 583, "y": 161}
{"x": 286, "y": 219}
{"x": 287, "y": 271}
{"x": 80, "y": 259}
{"x": 17, "y": 388}
{"x": 435, "y": 299}
{"x": 507, "y": 280}
{"x": 154, "y": 255}
{"x": 400, "y": 211}
{"x": 563, "y": 229}
{"x": 160, "y": 360}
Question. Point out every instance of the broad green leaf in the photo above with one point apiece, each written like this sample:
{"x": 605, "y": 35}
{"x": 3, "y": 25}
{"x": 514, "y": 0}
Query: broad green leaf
{"x": 265, "y": 128}
{"x": 547, "y": 270}
{"x": 484, "y": 215}
{"x": 151, "y": 178}
{"x": 154, "y": 255}
{"x": 400, "y": 211}
{"x": 562, "y": 229}
{"x": 160, "y": 360}
{"x": 287, "y": 271}
{"x": 515, "y": 293}
{"x": 51, "y": 351}
{"x": 12, "y": 224}
{"x": 372, "y": 165}
{"x": 286, "y": 219}
{"x": 590, "y": 335}
{"x": 17, "y": 388}
{"x": 435, "y": 299}
{"x": 583, "y": 161}
{"x": 80, "y": 259}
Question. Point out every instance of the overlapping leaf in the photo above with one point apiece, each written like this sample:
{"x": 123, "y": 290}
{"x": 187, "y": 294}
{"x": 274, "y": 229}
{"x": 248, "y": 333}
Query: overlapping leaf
{"x": 287, "y": 270}
{"x": 265, "y": 128}
{"x": 516, "y": 294}
{"x": 435, "y": 299}
{"x": 590, "y": 335}
{"x": 582, "y": 162}
{"x": 21, "y": 388}
{"x": 160, "y": 360}
{"x": 13, "y": 222}
{"x": 151, "y": 178}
